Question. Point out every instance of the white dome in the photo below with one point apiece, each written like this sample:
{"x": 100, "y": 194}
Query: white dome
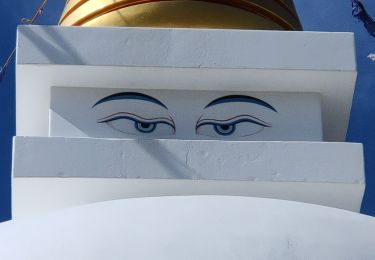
{"x": 201, "y": 227}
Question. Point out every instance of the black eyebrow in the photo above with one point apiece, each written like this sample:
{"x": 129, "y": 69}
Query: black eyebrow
{"x": 130, "y": 95}
{"x": 240, "y": 98}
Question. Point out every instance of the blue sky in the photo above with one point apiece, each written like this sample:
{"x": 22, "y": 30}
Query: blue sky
{"x": 316, "y": 15}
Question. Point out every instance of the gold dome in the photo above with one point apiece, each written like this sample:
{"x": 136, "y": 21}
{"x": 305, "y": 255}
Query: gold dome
{"x": 234, "y": 14}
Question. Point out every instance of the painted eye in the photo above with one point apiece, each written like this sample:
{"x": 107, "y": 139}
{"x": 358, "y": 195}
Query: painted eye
{"x": 135, "y": 125}
{"x": 225, "y": 130}
{"x": 239, "y": 126}
{"x": 145, "y": 127}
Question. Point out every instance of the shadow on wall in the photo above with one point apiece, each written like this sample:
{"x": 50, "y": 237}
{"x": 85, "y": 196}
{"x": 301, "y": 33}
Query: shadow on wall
{"x": 64, "y": 53}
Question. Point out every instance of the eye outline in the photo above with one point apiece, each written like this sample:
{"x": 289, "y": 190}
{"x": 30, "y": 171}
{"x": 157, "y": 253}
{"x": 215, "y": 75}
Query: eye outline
{"x": 233, "y": 121}
{"x": 138, "y": 120}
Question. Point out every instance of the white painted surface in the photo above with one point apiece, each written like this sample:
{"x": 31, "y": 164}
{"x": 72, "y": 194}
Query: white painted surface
{"x": 75, "y": 171}
{"x": 201, "y": 228}
{"x": 294, "y": 117}
{"x": 185, "y": 48}
{"x": 183, "y": 59}
{"x": 34, "y": 196}
{"x": 179, "y": 159}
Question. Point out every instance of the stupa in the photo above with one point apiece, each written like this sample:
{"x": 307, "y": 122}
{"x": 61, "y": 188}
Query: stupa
{"x": 185, "y": 130}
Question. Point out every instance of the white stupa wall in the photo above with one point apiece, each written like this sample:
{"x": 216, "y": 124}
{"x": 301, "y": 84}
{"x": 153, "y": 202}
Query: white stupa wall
{"x": 62, "y": 72}
{"x": 183, "y": 59}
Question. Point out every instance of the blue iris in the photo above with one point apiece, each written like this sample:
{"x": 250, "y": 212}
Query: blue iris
{"x": 225, "y": 130}
{"x": 145, "y": 127}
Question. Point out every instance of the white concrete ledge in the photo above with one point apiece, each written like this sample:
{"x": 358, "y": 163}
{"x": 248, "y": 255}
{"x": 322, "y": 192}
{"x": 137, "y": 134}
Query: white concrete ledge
{"x": 184, "y": 59}
{"x": 62, "y": 172}
{"x": 197, "y": 160}
{"x": 185, "y": 48}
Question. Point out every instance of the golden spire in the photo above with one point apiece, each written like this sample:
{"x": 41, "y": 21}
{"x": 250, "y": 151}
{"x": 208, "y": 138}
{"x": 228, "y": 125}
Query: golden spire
{"x": 234, "y": 14}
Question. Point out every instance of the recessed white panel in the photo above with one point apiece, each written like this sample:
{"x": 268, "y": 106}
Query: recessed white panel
{"x": 173, "y": 114}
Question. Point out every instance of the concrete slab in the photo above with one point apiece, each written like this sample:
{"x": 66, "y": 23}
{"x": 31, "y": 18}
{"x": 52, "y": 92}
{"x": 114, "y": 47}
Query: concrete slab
{"x": 61, "y": 172}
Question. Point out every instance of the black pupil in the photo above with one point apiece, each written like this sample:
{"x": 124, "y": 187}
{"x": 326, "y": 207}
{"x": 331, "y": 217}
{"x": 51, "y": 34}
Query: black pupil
{"x": 225, "y": 127}
{"x": 145, "y": 125}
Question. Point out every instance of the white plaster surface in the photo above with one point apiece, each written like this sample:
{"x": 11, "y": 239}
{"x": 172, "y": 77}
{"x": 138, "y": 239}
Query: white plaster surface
{"x": 34, "y": 196}
{"x": 179, "y": 159}
{"x": 61, "y": 172}
{"x": 202, "y": 228}
{"x": 184, "y": 59}
{"x": 297, "y": 116}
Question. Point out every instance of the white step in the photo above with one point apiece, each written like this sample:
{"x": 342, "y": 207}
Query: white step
{"x": 50, "y": 173}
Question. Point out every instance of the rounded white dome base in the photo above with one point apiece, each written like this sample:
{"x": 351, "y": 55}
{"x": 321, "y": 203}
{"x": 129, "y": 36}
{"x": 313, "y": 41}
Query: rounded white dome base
{"x": 198, "y": 227}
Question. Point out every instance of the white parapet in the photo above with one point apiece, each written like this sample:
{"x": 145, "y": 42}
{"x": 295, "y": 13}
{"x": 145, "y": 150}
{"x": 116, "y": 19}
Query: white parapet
{"x": 186, "y": 228}
{"x": 51, "y": 173}
{"x": 183, "y": 59}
